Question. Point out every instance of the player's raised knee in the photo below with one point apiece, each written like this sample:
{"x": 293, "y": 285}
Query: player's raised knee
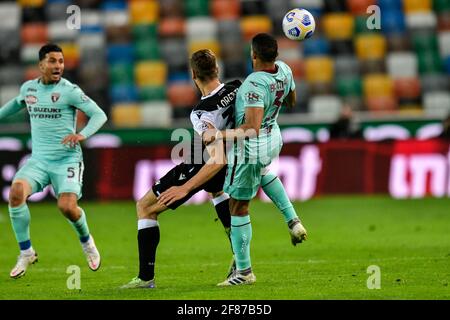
{"x": 69, "y": 209}
{"x": 16, "y": 195}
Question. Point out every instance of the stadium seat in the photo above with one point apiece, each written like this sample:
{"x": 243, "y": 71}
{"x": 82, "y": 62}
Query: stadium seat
{"x": 361, "y": 25}
{"x": 347, "y": 65}
{"x": 146, "y": 50}
{"x": 349, "y": 86}
{"x": 321, "y": 88}
{"x": 116, "y": 18}
{"x": 393, "y": 22}
{"x": 444, "y": 43}
{"x": 435, "y": 82}
{"x": 171, "y": 8}
{"x": 342, "y": 47}
{"x": 398, "y": 42}
{"x": 71, "y": 55}
{"x": 126, "y": 115}
{"x": 123, "y": 93}
{"x": 421, "y": 21}
{"x": 378, "y": 85}
{"x": 437, "y": 103}
{"x": 381, "y": 104}
{"x": 31, "y": 3}
{"x": 10, "y": 16}
{"x": 370, "y": 46}
{"x": 121, "y": 73}
{"x": 424, "y": 41}
{"x": 120, "y": 53}
{"x": 29, "y": 53}
{"x": 325, "y": 107}
{"x": 10, "y": 74}
{"x": 373, "y": 66}
{"x": 31, "y": 72}
{"x": 407, "y": 88}
{"x": 252, "y": 25}
{"x": 316, "y": 46}
{"x": 413, "y": 6}
{"x": 201, "y": 29}
{"x": 143, "y": 11}
{"x": 444, "y": 21}
{"x": 149, "y": 73}
{"x": 335, "y": 5}
{"x": 447, "y": 65}
{"x": 182, "y": 94}
{"x": 229, "y": 31}
{"x": 441, "y": 6}
{"x": 225, "y": 9}
{"x": 402, "y": 65}
{"x": 338, "y": 26}
{"x": 390, "y": 5}
{"x": 58, "y": 31}
{"x": 144, "y": 31}
{"x": 172, "y": 27}
{"x": 152, "y": 93}
{"x": 196, "y": 45}
{"x": 194, "y": 8}
{"x": 319, "y": 69}
{"x": 156, "y": 114}
{"x": 174, "y": 51}
{"x": 297, "y": 67}
{"x": 34, "y": 33}
{"x": 429, "y": 62}
{"x": 8, "y": 92}
{"x": 359, "y": 7}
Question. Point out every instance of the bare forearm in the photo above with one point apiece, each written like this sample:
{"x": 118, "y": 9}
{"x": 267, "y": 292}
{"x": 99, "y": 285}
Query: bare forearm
{"x": 204, "y": 175}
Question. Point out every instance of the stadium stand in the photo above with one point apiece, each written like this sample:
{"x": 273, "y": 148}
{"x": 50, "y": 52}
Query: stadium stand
{"x": 132, "y": 56}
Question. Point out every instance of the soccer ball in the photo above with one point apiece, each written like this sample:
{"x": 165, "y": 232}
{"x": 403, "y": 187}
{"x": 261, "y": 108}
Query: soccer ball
{"x": 298, "y": 24}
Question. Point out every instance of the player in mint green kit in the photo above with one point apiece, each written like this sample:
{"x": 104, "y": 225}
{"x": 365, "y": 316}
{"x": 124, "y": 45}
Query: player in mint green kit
{"x": 52, "y": 103}
{"x": 258, "y": 137}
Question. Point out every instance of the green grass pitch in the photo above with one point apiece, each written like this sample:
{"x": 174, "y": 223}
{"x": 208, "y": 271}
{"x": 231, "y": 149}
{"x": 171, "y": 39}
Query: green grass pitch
{"x": 409, "y": 240}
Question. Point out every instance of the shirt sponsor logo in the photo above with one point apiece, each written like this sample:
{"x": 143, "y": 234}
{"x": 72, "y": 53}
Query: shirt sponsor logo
{"x": 55, "y": 96}
{"x": 252, "y": 97}
{"x": 84, "y": 97}
{"x": 31, "y": 99}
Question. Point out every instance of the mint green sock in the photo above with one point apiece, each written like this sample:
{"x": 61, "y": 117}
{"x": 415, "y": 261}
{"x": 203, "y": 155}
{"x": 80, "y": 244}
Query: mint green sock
{"x": 241, "y": 235}
{"x": 20, "y": 220}
{"x": 81, "y": 227}
{"x": 274, "y": 189}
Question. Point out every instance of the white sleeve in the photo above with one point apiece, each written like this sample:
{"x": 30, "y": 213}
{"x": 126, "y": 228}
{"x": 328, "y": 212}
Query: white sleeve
{"x": 200, "y": 119}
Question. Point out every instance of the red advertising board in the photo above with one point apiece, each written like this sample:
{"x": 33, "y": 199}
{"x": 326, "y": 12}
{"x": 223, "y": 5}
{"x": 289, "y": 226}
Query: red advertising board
{"x": 403, "y": 169}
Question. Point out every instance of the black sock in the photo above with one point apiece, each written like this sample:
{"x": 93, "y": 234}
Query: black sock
{"x": 148, "y": 240}
{"x": 223, "y": 212}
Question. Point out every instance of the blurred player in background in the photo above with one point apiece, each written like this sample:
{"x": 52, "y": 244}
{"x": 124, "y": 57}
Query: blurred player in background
{"x": 258, "y": 102}
{"x": 52, "y": 103}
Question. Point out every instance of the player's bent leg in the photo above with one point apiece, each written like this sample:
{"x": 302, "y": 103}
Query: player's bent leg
{"x": 274, "y": 189}
{"x": 68, "y": 205}
{"x": 148, "y": 210}
{"x": 241, "y": 235}
{"x": 20, "y": 221}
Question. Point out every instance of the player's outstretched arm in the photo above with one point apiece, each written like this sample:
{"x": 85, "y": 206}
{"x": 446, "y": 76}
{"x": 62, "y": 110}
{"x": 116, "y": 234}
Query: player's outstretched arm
{"x": 11, "y": 107}
{"x": 217, "y": 160}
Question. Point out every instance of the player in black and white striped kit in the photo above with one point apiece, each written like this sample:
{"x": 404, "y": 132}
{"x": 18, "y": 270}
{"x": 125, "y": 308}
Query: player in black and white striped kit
{"x": 214, "y": 111}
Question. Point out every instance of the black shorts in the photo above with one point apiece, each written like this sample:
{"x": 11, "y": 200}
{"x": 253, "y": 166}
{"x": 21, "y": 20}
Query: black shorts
{"x": 180, "y": 174}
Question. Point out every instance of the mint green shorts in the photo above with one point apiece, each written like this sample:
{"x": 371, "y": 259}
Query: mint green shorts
{"x": 247, "y": 161}
{"x": 63, "y": 177}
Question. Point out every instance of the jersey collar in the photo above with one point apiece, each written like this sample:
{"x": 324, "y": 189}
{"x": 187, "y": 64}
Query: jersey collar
{"x": 214, "y": 91}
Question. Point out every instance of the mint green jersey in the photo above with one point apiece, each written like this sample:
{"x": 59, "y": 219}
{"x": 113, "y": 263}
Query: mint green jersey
{"x": 52, "y": 109}
{"x": 266, "y": 90}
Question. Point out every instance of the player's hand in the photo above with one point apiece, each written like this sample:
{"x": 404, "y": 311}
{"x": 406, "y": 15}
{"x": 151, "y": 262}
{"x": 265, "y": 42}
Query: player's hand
{"x": 172, "y": 195}
{"x": 211, "y": 135}
{"x": 72, "y": 139}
